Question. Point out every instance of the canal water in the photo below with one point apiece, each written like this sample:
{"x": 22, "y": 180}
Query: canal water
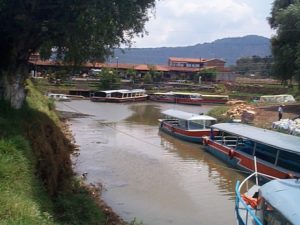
{"x": 149, "y": 175}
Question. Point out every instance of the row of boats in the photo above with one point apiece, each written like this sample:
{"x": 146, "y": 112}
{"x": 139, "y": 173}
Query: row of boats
{"x": 136, "y": 95}
{"x": 267, "y": 154}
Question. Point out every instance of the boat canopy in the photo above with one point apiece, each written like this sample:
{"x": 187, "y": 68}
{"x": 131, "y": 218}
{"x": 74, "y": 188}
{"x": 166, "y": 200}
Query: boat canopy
{"x": 284, "y": 196}
{"x": 268, "y": 137}
{"x": 124, "y": 91}
{"x": 164, "y": 93}
{"x": 186, "y": 93}
{"x": 113, "y": 91}
{"x": 216, "y": 96}
{"x": 185, "y": 115}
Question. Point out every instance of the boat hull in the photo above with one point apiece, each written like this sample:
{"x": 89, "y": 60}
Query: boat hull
{"x": 119, "y": 100}
{"x": 241, "y": 160}
{"x": 194, "y": 136}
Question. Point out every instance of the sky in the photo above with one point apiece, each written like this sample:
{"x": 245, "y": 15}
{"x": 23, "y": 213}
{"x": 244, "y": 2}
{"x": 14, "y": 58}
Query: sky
{"x": 189, "y": 22}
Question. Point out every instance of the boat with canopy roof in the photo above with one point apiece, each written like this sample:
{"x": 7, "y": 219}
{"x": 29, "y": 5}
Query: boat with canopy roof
{"x": 186, "y": 126}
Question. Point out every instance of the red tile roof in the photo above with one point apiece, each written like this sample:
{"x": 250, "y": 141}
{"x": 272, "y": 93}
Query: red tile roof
{"x": 190, "y": 60}
{"x": 138, "y": 67}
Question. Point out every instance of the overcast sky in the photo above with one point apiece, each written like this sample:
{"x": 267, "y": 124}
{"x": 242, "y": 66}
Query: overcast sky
{"x": 189, "y": 22}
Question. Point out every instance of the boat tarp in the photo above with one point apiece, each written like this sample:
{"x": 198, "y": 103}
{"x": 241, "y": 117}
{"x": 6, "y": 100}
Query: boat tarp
{"x": 277, "y": 98}
{"x": 186, "y": 115}
{"x": 271, "y": 138}
{"x": 284, "y": 196}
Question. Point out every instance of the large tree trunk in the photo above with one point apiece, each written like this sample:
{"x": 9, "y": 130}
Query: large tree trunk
{"x": 12, "y": 87}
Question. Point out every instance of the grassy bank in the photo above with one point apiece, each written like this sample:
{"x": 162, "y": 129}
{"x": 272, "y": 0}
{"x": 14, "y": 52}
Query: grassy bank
{"x": 37, "y": 185}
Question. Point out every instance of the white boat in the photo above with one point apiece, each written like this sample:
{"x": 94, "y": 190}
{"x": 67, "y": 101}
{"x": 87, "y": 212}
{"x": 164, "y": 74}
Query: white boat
{"x": 186, "y": 126}
{"x": 118, "y": 96}
{"x": 59, "y": 97}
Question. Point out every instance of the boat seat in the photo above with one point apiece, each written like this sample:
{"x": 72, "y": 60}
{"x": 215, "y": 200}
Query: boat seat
{"x": 231, "y": 145}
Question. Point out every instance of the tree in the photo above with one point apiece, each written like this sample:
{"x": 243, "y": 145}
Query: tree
{"x": 285, "y": 19}
{"x": 206, "y": 75}
{"x": 79, "y": 30}
{"x": 109, "y": 79}
{"x": 156, "y": 75}
{"x": 254, "y": 65}
{"x": 148, "y": 78}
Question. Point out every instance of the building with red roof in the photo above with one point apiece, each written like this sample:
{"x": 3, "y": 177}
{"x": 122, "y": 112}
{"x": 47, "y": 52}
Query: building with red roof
{"x": 177, "y": 67}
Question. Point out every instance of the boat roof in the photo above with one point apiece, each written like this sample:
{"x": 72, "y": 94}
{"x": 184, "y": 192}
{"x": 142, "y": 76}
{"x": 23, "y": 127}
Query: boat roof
{"x": 186, "y": 115}
{"x": 225, "y": 96}
{"x": 284, "y": 196}
{"x": 272, "y": 138}
{"x": 185, "y": 93}
{"x": 164, "y": 93}
{"x": 124, "y": 91}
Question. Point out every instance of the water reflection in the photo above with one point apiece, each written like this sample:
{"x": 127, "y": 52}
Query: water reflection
{"x": 219, "y": 173}
{"x": 151, "y": 175}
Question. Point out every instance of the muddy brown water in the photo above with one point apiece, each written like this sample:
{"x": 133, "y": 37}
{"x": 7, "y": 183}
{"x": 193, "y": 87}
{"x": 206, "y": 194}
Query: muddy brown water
{"x": 149, "y": 175}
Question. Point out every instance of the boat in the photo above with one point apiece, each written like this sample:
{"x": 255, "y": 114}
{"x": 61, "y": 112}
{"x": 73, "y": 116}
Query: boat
{"x": 215, "y": 99}
{"x": 163, "y": 97}
{"x": 188, "y": 98}
{"x": 59, "y": 97}
{"x": 122, "y": 95}
{"x": 275, "y": 202}
{"x": 278, "y": 154}
{"x": 186, "y": 126}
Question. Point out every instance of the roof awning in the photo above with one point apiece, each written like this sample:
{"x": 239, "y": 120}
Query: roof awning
{"x": 271, "y": 138}
{"x": 185, "y": 115}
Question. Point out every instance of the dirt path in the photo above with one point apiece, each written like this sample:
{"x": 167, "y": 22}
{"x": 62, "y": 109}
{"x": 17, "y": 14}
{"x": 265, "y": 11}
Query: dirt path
{"x": 266, "y": 115}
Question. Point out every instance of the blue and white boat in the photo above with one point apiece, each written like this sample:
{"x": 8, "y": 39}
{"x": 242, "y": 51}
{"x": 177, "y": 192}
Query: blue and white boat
{"x": 278, "y": 154}
{"x": 276, "y": 202}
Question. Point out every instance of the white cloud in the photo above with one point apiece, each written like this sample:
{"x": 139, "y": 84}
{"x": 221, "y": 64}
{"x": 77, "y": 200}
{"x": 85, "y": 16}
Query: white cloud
{"x": 188, "y": 22}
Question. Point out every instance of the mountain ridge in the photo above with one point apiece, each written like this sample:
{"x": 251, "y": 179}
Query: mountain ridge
{"x": 229, "y": 49}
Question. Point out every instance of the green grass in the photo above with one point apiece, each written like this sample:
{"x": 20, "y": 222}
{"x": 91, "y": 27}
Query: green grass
{"x": 219, "y": 113}
{"x": 36, "y": 180}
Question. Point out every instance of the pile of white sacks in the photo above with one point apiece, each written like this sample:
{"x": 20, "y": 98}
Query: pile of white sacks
{"x": 287, "y": 125}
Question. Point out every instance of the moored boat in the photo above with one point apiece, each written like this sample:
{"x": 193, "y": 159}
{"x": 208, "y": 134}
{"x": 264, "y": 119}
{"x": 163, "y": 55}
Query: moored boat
{"x": 186, "y": 126}
{"x": 167, "y": 97}
{"x": 59, "y": 97}
{"x": 273, "y": 203}
{"x": 278, "y": 154}
{"x": 215, "y": 99}
{"x": 188, "y": 98}
{"x": 121, "y": 95}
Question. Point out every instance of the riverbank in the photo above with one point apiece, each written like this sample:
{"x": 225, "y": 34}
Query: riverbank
{"x": 37, "y": 183}
{"x": 265, "y": 115}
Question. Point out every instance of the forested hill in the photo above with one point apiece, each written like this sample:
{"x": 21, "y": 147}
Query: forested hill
{"x": 229, "y": 49}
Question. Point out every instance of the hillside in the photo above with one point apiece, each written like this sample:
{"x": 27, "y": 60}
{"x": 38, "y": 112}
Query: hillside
{"x": 229, "y": 49}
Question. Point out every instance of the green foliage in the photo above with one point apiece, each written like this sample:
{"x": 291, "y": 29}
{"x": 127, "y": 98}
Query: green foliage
{"x": 148, "y": 78}
{"x": 260, "y": 66}
{"x": 206, "y": 75}
{"x": 219, "y": 113}
{"x": 80, "y": 30}
{"x": 109, "y": 79}
{"x": 23, "y": 196}
{"x": 78, "y": 207}
{"x": 285, "y": 18}
{"x": 156, "y": 76}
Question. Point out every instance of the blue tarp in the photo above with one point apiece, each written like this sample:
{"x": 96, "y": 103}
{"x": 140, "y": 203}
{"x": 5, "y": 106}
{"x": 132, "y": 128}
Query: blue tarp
{"x": 284, "y": 196}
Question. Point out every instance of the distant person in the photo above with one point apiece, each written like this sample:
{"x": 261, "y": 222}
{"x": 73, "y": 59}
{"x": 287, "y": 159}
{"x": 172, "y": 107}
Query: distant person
{"x": 280, "y": 112}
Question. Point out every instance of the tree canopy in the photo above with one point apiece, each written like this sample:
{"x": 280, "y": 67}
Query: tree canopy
{"x": 79, "y": 30}
{"x": 254, "y": 65}
{"x": 285, "y": 18}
